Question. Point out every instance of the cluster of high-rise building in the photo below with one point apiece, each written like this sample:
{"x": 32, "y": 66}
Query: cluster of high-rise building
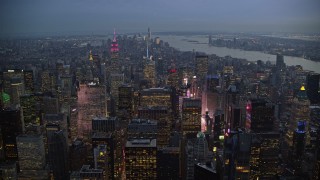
{"x": 135, "y": 108}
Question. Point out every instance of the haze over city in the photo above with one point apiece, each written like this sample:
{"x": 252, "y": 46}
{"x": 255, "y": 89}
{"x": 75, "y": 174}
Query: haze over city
{"x": 84, "y": 16}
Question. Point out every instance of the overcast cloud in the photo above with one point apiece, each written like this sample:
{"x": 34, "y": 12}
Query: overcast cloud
{"x": 38, "y": 16}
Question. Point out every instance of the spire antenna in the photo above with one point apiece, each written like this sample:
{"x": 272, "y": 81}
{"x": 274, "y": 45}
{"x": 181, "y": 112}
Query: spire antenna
{"x": 114, "y": 34}
{"x": 147, "y": 50}
{"x": 148, "y": 39}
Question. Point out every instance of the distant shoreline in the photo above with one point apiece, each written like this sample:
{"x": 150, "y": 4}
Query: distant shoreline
{"x": 180, "y": 42}
{"x": 267, "y": 52}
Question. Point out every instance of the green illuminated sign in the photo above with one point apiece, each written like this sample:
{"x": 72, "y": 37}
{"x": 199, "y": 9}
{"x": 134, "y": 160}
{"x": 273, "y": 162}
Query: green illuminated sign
{"x": 5, "y": 97}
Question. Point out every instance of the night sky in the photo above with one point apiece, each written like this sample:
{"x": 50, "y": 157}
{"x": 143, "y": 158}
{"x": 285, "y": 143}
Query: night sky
{"x": 101, "y": 16}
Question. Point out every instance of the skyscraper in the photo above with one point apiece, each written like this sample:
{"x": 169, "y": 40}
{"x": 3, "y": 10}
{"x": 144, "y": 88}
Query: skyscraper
{"x": 59, "y": 121}
{"x": 173, "y": 78}
{"x": 101, "y": 124}
{"x": 231, "y": 110}
{"x": 300, "y": 111}
{"x": 149, "y": 34}
{"x": 313, "y": 88}
{"x": 299, "y": 140}
{"x": 268, "y": 158}
{"x": 149, "y": 73}
{"x": 48, "y": 81}
{"x": 141, "y": 159}
{"x": 50, "y": 105}
{"x": 102, "y": 161}
{"x": 28, "y": 108}
{"x": 116, "y": 81}
{"x": 164, "y": 117}
{"x": 142, "y": 128}
{"x": 114, "y": 47}
{"x": 280, "y": 62}
{"x": 16, "y": 90}
{"x": 58, "y": 152}
{"x": 238, "y": 155}
{"x": 156, "y": 97}
{"x": 200, "y": 148}
{"x": 78, "y": 155}
{"x": 218, "y": 127}
{"x": 29, "y": 81}
{"x": 11, "y": 126}
{"x": 8, "y": 76}
{"x": 27, "y": 144}
{"x": 201, "y": 67}
{"x": 126, "y": 101}
{"x": 66, "y": 87}
{"x": 113, "y": 64}
{"x": 260, "y": 115}
{"x": 168, "y": 163}
{"x": 105, "y": 156}
{"x": 196, "y": 151}
{"x": 191, "y": 116}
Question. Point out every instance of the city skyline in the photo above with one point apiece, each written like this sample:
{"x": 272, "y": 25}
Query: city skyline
{"x": 86, "y": 17}
{"x": 181, "y": 90}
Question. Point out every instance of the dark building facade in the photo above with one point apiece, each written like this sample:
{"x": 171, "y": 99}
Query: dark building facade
{"x": 11, "y": 126}
{"x": 259, "y": 115}
{"x": 205, "y": 172}
{"x": 106, "y": 140}
{"x": 313, "y": 88}
{"x": 57, "y": 147}
{"x": 168, "y": 163}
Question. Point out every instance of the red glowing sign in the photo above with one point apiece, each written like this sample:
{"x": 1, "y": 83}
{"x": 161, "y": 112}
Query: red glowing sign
{"x": 114, "y": 45}
{"x": 248, "y": 107}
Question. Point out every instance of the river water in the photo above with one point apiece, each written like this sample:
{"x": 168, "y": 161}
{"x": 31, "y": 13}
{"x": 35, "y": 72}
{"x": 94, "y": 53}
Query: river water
{"x": 200, "y": 43}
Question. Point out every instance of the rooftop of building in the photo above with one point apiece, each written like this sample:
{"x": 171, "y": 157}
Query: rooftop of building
{"x": 191, "y": 102}
{"x": 143, "y": 122}
{"x": 158, "y": 89}
{"x": 29, "y": 137}
{"x": 77, "y": 142}
{"x": 152, "y": 108}
{"x": 100, "y": 135}
{"x": 169, "y": 149}
{"x": 209, "y": 166}
{"x": 54, "y": 117}
{"x": 152, "y": 143}
{"x": 87, "y": 169}
{"x": 126, "y": 85}
{"x": 104, "y": 119}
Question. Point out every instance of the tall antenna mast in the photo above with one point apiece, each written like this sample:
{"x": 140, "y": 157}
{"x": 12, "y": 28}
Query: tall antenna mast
{"x": 114, "y": 34}
{"x": 148, "y": 38}
{"x": 147, "y": 49}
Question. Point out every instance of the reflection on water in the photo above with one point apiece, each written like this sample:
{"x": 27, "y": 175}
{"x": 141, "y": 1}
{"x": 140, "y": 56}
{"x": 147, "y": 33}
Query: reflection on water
{"x": 199, "y": 43}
